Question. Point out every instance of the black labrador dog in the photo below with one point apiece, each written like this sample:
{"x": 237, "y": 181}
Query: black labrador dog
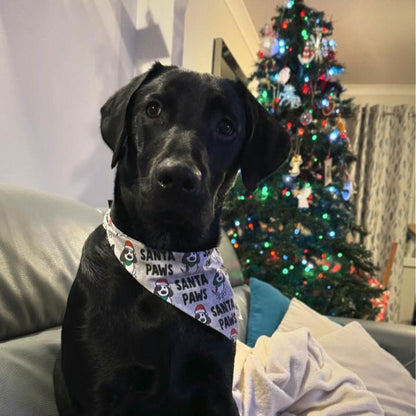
{"x": 178, "y": 139}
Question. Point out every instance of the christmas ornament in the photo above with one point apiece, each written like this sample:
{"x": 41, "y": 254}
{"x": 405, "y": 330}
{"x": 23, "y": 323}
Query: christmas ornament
{"x": 295, "y": 163}
{"x": 289, "y": 98}
{"x": 284, "y": 76}
{"x": 306, "y": 118}
{"x": 328, "y": 171}
{"x": 347, "y": 191}
{"x": 328, "y": 109}
{"x": 269, "y": 45}
{"x": 308, "y": 53}
{"x": 341, "y": 125}
{"x": 317, "y": 39}
{"x": 303, "y": 197}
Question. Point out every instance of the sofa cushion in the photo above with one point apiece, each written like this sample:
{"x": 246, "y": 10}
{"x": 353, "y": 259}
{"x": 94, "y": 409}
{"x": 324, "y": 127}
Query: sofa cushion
{"x": 41, "y": 239}
{"x": 267, "y": 308}
{"x": 26, "y": 367}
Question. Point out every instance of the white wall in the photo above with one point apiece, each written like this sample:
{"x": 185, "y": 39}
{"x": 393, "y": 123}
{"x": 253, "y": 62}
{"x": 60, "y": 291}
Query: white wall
{"x": 60, "y": 61}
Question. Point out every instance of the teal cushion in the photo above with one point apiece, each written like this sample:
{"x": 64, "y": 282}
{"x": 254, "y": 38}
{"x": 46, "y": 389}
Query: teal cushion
{"x": 267, "y": 309}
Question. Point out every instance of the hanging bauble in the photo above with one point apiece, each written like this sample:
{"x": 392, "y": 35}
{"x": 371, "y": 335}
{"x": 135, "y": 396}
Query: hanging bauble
{"x": 317, "y": 40}
{"x": 324, "y": 48}
{"x": 289, "y": 98}
{"x": 303, "y": 197}
{"x": 328, "y": 109}
{"x": 341, "y": 125}
{"x": 269, "y": 45}
{"x": 284, "y": 76}
{"x": 308, "y": 53}
{"x": 335, "y": 268}
{"x": 306, "y": 118}
{"x": 295, "y": 163}
{"x": 347, "y": 191}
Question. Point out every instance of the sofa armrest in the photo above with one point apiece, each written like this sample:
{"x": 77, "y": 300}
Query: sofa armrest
{"x": 397, "y": 339}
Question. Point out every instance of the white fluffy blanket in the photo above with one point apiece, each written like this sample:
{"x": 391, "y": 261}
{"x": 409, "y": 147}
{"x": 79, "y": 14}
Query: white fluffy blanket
{"x": 290, "y": 374}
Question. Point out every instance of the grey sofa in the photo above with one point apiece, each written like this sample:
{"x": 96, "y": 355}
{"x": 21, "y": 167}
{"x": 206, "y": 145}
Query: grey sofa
{"x": 41, "y": 238}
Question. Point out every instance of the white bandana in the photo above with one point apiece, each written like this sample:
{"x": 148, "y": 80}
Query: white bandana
{"x": 194, "y": 282}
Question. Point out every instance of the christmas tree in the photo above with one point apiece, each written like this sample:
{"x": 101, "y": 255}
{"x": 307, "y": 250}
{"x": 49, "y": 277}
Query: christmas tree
{"x": 296, "y": 231}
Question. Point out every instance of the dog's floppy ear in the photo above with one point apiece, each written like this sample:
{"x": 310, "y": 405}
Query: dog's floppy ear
{"x": 113, "y": 112}
{"x": 267, "y": 145}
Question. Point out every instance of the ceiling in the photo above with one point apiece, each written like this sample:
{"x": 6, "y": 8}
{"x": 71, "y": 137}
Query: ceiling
{"x": 376, "y": 38}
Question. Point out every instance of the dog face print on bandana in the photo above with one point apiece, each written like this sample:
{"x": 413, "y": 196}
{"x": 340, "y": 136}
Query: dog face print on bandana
{"x": 194, "y": 282}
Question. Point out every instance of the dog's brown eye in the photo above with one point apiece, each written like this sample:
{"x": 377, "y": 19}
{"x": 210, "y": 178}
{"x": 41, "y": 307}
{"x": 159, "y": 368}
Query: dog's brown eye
{"x": 153, "y": 109}
{"x": 225, "y": 127}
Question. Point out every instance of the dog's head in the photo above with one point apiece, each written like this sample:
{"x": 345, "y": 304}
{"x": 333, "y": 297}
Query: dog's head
{"x": 179, "y": 138}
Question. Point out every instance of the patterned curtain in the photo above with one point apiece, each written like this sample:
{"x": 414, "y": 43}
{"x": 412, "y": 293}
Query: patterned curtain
{"x": 383, "y": 139}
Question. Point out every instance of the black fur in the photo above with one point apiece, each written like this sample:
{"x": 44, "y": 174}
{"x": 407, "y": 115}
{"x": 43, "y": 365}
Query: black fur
{"x": 124, "y": 350}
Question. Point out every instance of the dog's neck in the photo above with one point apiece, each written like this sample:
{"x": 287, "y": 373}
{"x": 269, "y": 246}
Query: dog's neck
{"x": 177, "y": 237}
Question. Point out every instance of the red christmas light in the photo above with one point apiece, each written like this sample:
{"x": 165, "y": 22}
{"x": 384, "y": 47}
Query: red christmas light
{"x": 289, "y": 124}
{"x": 302, "y": 13}
{"x": 324, "y": 30}
{"x": 261, "y": 54}
{"x": 301, "y": 132}
{"x": 305, "y": 88}
{"x": 306, "y": 251}
{"x": 324, "y": 123}
{"x": 285, "y": 24}
{"x": 250, "y": 226}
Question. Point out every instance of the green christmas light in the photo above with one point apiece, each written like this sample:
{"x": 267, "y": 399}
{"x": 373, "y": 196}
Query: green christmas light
{"x": 314, "y": 137}
{"x": 291, "y": 267}
{"x": 248, "y": 261}
{"x": 264, "y": 193}
{"x": 266, "y": 244}
{"x": 339, "y": 255}
{"x": 320, "y": 237}
{"x": 285, "y": 271}
{"x": 325, "y": 216}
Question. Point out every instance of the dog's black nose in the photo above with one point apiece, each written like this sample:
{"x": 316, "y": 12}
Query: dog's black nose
{"x": 172, "y": 175}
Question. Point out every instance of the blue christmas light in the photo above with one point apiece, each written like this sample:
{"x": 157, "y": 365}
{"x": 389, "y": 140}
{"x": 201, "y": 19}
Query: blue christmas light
{"x": 332, "y": 234}
{"x": 307, "y": 78}
{"x": 296, "y": 231}
{"x": 334, "y": 70}
{"x": 290, "y": 4}
{"x": 325, "y": 102}
{"x": 334, "y": 135}
{"x": 287, "y": 179}
{"x": 233, "y": 241}
{"x": 237, "y": 223}
{"x": 285, "y": 257}
{"x": 304, "y": 262}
